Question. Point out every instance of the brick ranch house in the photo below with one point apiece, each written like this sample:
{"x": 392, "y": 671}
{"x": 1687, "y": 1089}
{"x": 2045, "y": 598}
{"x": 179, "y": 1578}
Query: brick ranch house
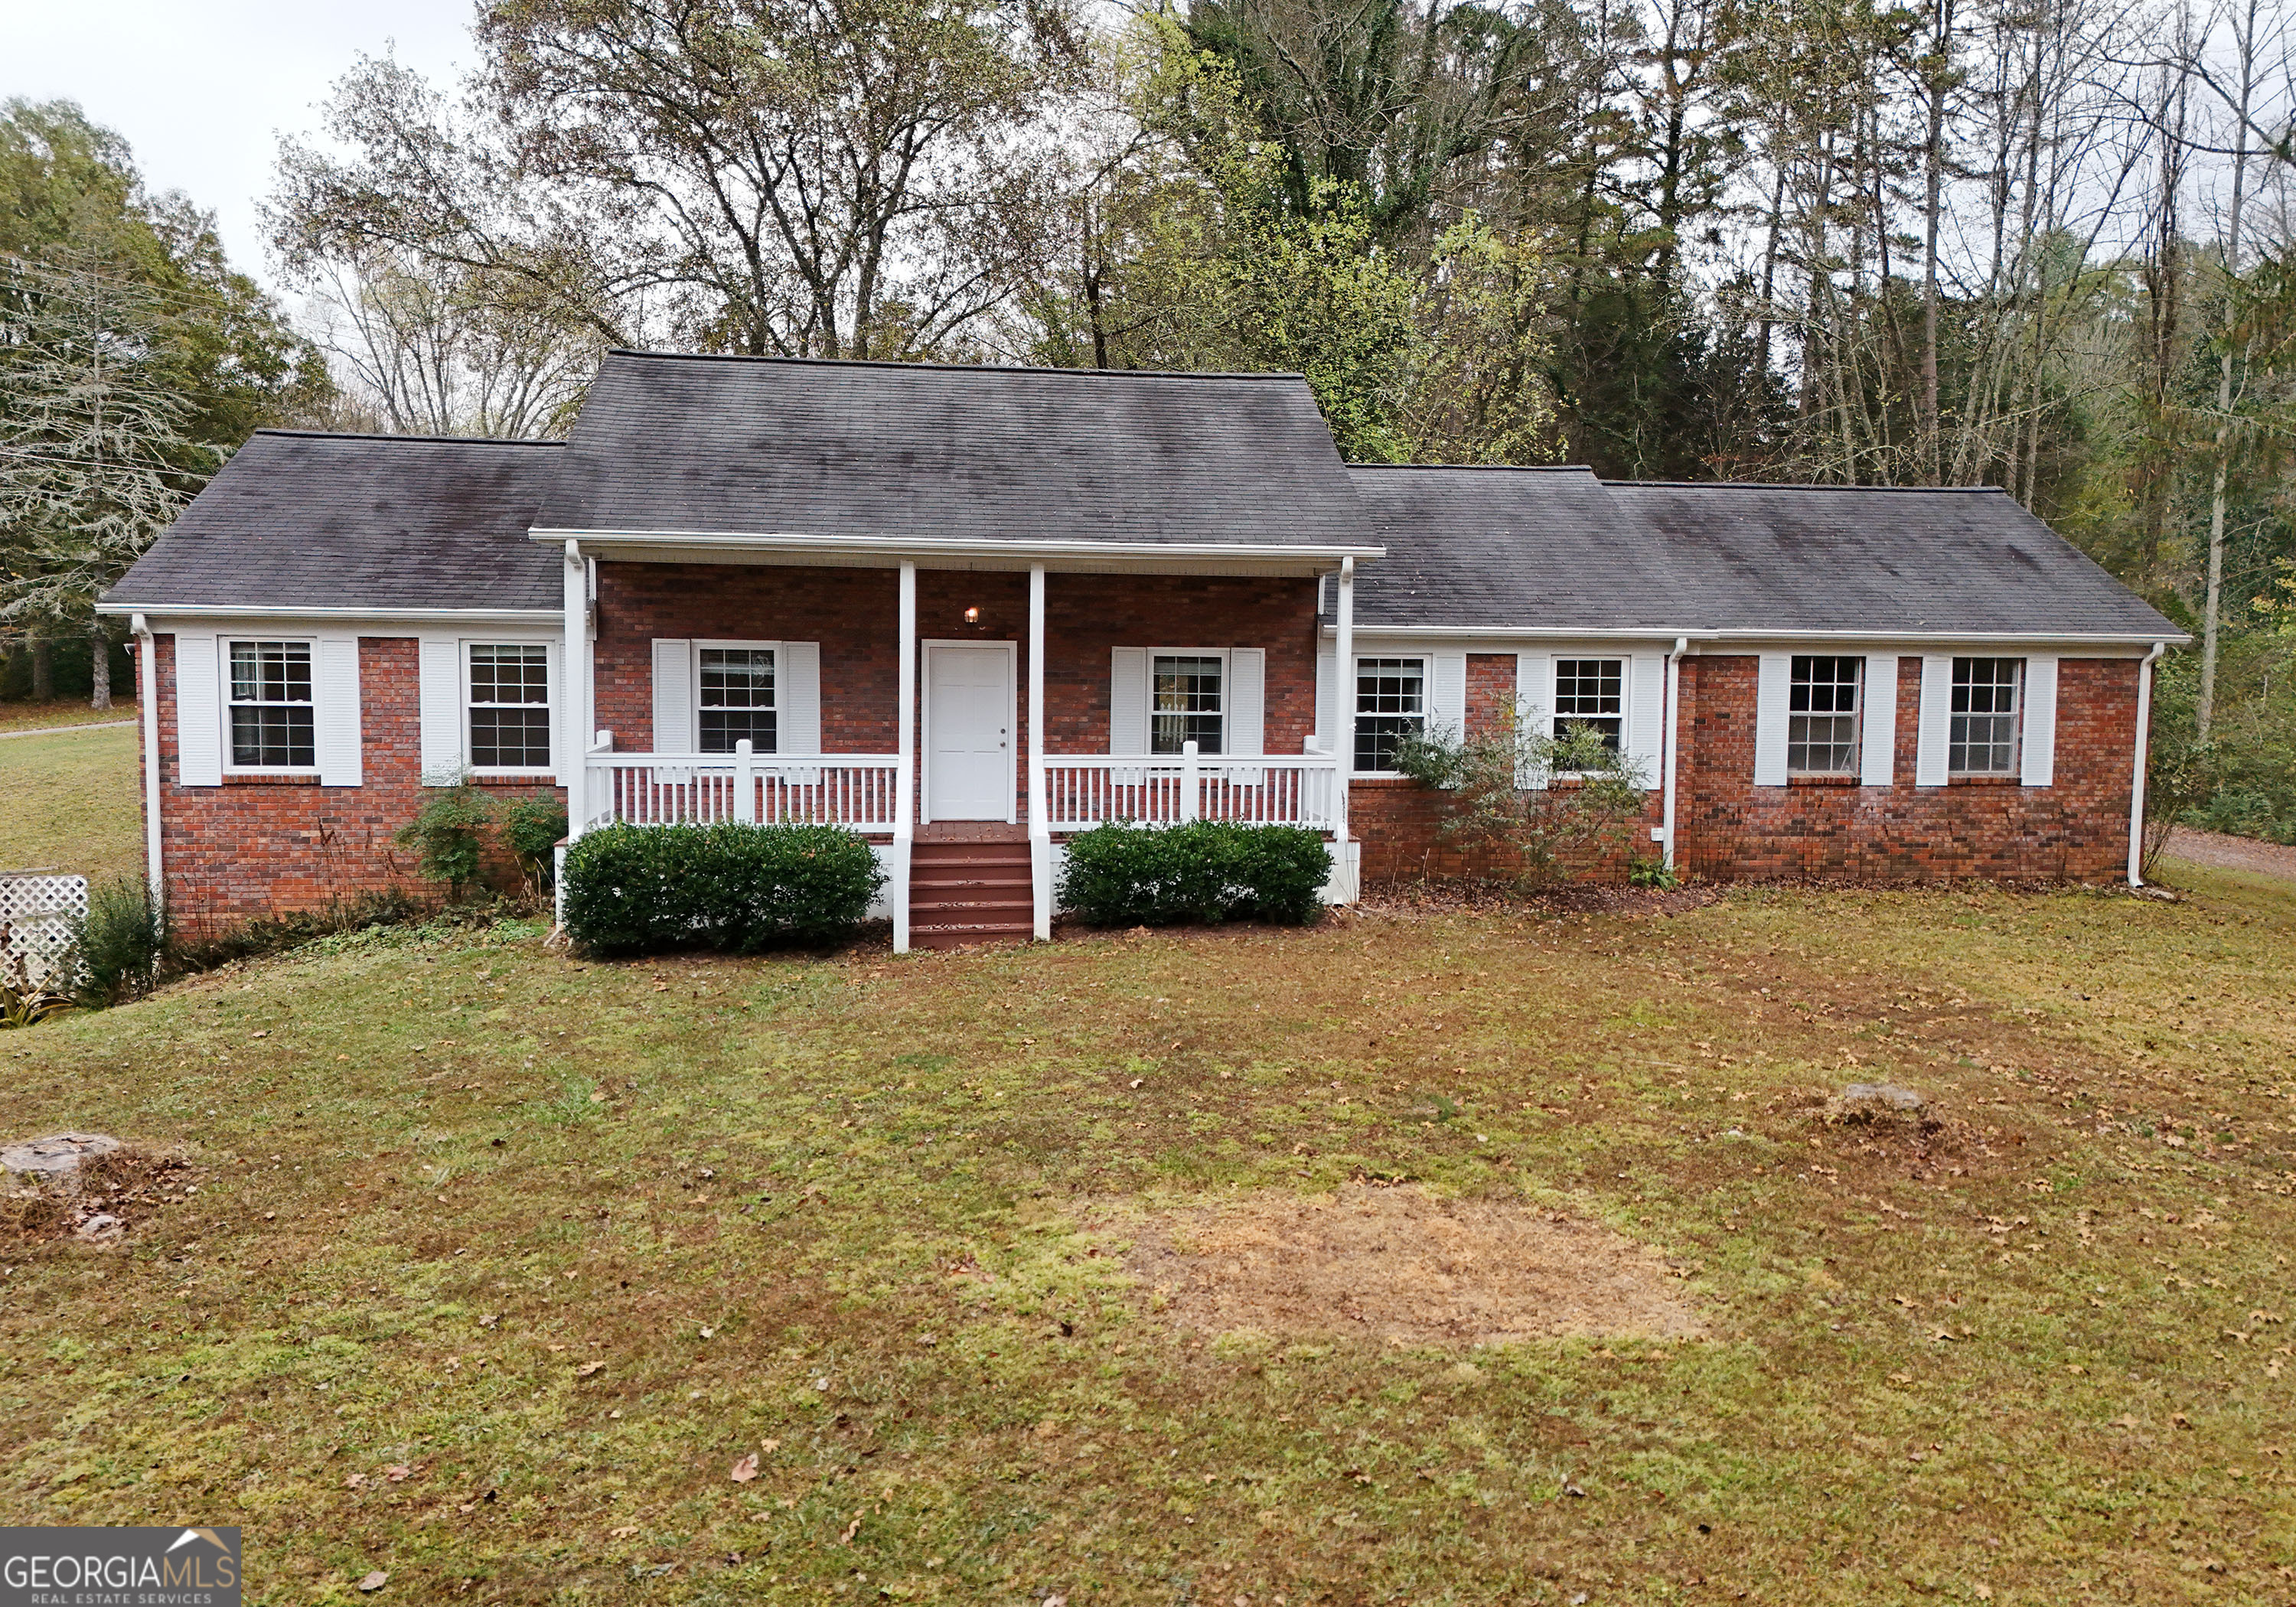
{"x": 971, "y": 611}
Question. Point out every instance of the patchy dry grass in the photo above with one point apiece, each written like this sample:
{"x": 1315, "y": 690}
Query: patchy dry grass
{"x": 500, "y": 1262}
{"x": 25, "y": 715}
{"x": 68, "y": 802}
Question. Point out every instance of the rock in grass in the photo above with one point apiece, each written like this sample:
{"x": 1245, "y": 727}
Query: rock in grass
{"x": 1872, "y": 1102}
{"x": 56, "y": 1154}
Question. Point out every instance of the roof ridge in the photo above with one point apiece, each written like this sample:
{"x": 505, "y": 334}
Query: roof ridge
{"x": 1103, "y": 374}
{"x": 1783, "y": 484}
{"x": 435, "y": 440}
{"x": 1493, "y": 468}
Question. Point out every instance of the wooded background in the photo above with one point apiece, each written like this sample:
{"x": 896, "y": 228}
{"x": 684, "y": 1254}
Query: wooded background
{"x": 2041, "y": 245}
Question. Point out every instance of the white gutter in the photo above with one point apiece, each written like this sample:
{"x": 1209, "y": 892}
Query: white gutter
{"x": 1515, "y": 633}
{"x": 896, "y": 547}
{"x": 2136, "y": 779}
{"x": 147, "y": 694}
{"x": 2032, "y": 638}
{"x": 215, "y": 610}
{"x": 1673, "y": 737}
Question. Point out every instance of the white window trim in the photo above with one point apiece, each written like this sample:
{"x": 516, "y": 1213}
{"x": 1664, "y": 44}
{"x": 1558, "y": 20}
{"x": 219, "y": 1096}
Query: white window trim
{"x": 1227, "y": 687}
{"x": 551, "y": 673}
{"x": 1626, "y": 716}
{"x": 2014, "y": 770}
{"x": 1349, "y": 692}
{"x": 224, "y": 640}
{"x": 1856, "y": 769}
{"x": 693, "y": 669}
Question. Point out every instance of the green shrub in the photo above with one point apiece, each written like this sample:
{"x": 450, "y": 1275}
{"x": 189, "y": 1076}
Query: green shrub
{"x": 1128, "y": 875}
{"x": 641, "y": 889}
{"x": 445, "y": 835}
{"x": 532, "y": 830}
{"x": 120, "y": 942}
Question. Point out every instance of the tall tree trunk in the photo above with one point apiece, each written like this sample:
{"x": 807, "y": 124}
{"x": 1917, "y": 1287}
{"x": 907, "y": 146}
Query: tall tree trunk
{"x": 43, "y": 668}
{"x": 2212, "y": 614}
{"x": 1933, "y": 163}
{"x": 99, "y": 647}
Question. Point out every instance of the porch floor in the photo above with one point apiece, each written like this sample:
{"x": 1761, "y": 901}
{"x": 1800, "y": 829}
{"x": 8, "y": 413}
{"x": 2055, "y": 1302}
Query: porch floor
{"x": 972, "y": 831}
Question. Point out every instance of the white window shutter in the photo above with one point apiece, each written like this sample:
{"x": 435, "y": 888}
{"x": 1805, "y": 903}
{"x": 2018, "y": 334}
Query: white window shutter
{"x": 1446, "y": 695}
{"x": 1127, "y": 702}
{"x": 1877, "y": 735}
{"x": 1773, "y": 692}
{"x": 1646, "y": 716}
{"x": 1327, "y": 701}
{"x": 673, "y": 696}
{"x": 1247, "y": 703}
{"x": 336, "y": 715}
{"x": 1932, "y": 743}
{"x": 440, "y": 700}
{"x": 199, "y": 712}
{"x": 1534, "y": 706}
{"x": 2040, "y": 736}
{"x": 797, "y": 685}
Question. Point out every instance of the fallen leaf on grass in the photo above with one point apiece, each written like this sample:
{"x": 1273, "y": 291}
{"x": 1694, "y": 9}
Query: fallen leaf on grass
{"x": 623, "y": 1533}
{"x": 746, "y": 1469}
{"x": 356, "y": 1479}
{"x": 771, "y": 1446}
{"x": 851, "y": 1530}
{"x": 397, "y": 1472}
{"x": 375, "y": 1581}
{"x": 588, "y": 1368}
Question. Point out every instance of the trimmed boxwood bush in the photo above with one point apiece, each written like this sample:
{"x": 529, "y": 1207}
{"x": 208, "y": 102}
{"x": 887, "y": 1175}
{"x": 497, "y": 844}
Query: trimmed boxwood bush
{"x": 641, "y": 889}
{"x": 1206, "y": 869}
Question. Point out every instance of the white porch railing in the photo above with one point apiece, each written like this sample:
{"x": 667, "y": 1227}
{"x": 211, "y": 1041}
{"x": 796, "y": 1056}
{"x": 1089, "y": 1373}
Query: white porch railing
{"x": 860, "y": 792}
{"x": 1279, "y": 790}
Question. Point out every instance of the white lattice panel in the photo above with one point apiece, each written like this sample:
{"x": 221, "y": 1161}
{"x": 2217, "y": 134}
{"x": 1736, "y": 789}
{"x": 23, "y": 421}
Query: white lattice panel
{"x": 35, "y": 927}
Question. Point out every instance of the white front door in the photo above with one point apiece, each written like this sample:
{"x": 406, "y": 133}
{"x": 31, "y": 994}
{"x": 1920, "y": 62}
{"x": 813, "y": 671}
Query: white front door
{"x": 968, "y": 732}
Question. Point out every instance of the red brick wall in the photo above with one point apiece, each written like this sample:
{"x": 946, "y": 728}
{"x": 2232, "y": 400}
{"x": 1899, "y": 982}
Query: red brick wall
{"x": 855, "y": 615}
{"x": 255, "y": 847}
{"x": 1728, "y": 829}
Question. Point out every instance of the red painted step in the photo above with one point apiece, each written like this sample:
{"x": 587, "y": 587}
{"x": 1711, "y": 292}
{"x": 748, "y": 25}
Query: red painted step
{"x": 980, "y": 890}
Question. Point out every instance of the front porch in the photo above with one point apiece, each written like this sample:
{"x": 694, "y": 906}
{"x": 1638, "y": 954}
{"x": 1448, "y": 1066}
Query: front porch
{"x": 1022, "y": 705}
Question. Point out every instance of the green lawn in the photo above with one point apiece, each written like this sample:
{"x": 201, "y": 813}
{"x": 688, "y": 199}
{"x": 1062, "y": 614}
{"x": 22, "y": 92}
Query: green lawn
{"x": 27, "y": 715}
{"x": 69, "y": 802}
{"x": 499, "y": 1262}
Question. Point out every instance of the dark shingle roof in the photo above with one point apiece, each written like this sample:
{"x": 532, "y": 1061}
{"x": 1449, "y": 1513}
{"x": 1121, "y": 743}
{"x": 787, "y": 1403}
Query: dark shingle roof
{"x": 1822, "y": 558}
{"x": 1557, "y": 549}
{"x": 296, "y": 519}
{"x": 887, "y": 450}
{"x": 1498, "y": 547}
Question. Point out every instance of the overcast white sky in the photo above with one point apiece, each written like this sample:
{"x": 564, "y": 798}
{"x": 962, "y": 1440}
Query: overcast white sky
{"x": 203, "y": 88}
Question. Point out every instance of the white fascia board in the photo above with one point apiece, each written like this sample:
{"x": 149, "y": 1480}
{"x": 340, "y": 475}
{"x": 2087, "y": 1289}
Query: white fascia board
{"x": 193, "y": 612}
{"x": 1915, "y": 641}
{"x": 1495, "y": 637}
{"x": 895, "y": 549}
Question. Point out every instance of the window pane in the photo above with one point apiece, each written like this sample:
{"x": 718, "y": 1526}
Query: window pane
{"x": 737, "y": 678}
{"x": 271, "y": 715}
{"x": 1822, "y": 715}
{"x": 1186, "y": 705}
{"x": 721, "y": 728}
{"x": 1390, "y": 703}
{"x": 510, "y": 675}
{"x": 1982, "y": 739}
{"x": 510, "y": 739}
{"x": 1590, "y": 692}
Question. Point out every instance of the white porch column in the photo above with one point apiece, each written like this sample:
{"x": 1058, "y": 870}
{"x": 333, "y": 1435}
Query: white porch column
{"x": 1040, "y": 831}
{"x": 147, "y": 700}
{"x": 1673, "y": 740}
{"x": 1343, "y": 698}
{"x": 905, "y": 791}
{"x": 574, "y": 697}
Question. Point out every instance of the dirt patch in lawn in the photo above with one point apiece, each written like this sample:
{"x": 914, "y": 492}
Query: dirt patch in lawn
{"x": 101, "y": 1201}
{"x": 1399, "y": 1265}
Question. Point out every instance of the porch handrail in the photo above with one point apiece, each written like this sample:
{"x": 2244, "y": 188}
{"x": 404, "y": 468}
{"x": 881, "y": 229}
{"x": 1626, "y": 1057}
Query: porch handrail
{"x": 1166, "y": 789}
{"x": 857, "y": 791}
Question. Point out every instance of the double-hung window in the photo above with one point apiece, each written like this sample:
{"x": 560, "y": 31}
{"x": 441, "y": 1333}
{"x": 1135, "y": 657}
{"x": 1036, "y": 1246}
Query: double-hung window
{"x": 272, "y": 723}
{"x": 1390, "y": 705}
{"x": 1187, "y": 703}
{"x": 738, "y": 701}
{"x": 1591, "y": 692}
{"x": 510, "y": 706}
{"x": 1822, "y": 715}
{"x": 1983, "y": 740}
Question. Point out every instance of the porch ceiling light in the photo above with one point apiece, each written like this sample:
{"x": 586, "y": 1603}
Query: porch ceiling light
{"x": 973, "y": 616}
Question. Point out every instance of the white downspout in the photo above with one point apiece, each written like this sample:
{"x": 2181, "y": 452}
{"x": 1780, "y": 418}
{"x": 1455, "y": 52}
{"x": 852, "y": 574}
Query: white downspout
{"x": 2136, "y": 779}
{"x": 147, "y": 694}
{"x": 905, "y": 785}
{"x": 1343, "y": 735}
{"x": 1040, "y": 831}
{"x": 1672, "y": 763}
